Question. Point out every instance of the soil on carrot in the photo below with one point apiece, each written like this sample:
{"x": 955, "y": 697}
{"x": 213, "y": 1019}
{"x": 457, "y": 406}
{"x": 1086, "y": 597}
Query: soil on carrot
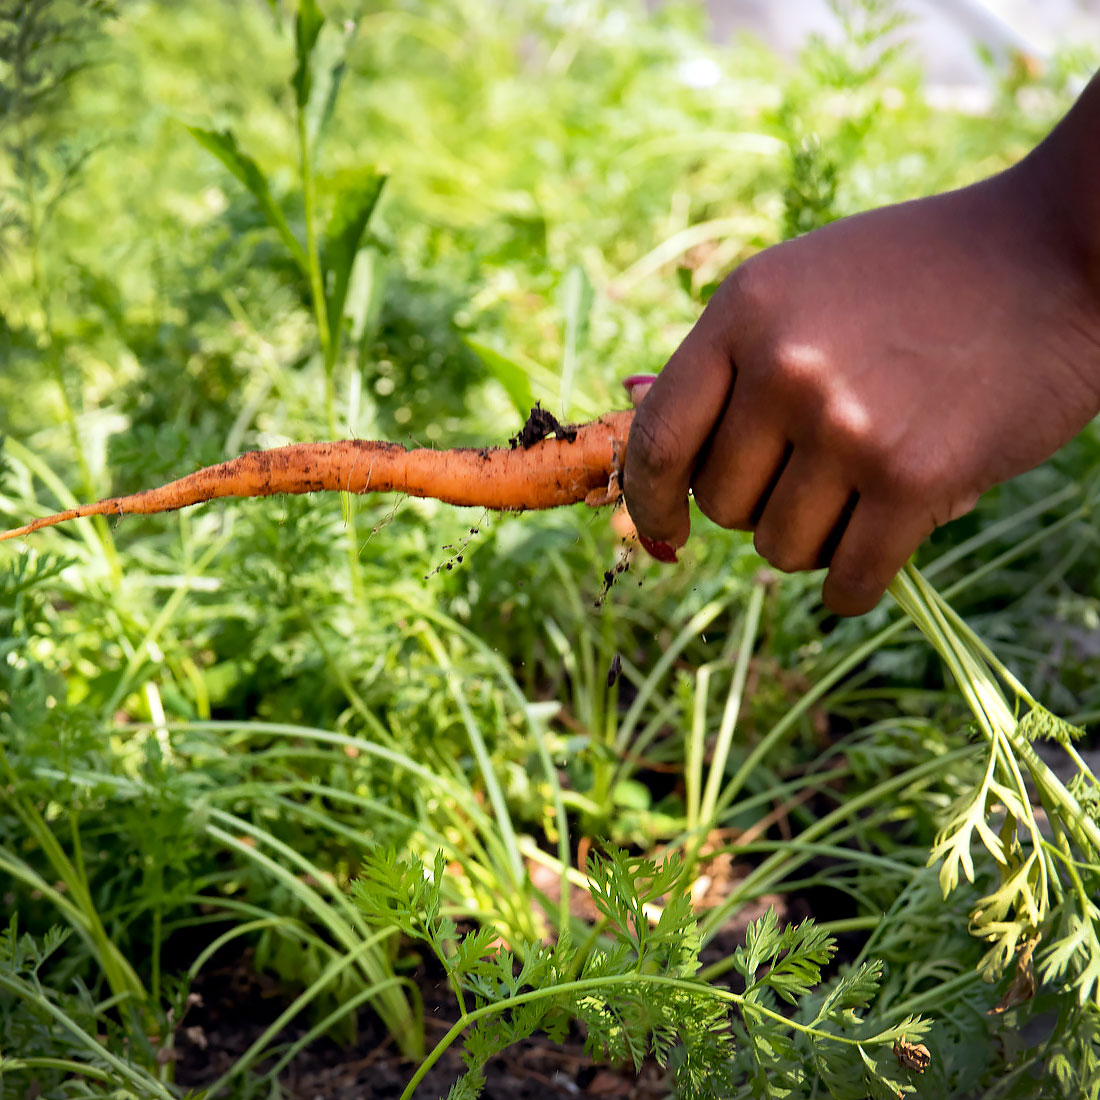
{"x": 540, "y": 425}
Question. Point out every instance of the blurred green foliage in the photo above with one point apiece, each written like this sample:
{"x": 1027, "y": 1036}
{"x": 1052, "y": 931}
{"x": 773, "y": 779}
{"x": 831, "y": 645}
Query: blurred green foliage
{"x": 207, "y": 719}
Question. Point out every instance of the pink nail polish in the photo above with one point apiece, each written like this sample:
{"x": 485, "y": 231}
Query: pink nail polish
{"x": 662, "y": 551}
{"x": 634, "y": 380}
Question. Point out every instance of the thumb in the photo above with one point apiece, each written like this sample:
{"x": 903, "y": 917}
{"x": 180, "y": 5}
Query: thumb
{"x": 637, "y": 386}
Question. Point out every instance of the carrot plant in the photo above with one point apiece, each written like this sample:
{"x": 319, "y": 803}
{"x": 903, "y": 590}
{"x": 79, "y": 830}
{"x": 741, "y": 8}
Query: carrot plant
{"x": 638, "y": 995}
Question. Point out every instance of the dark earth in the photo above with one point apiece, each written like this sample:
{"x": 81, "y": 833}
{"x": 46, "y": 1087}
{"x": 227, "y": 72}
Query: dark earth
{"x": 238, "y": 1003}
{"x": 541, "y": 424}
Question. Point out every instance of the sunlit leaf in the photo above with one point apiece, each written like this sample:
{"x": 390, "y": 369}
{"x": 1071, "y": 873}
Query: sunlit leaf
{"x": 306, "y": 29}
{"x": 224, "y": 146}
{"x": 507, "y": 372}
{"x": 355, "y": 202}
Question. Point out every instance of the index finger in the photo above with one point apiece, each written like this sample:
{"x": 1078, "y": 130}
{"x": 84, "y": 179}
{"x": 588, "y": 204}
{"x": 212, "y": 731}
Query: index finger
{"x": 671, "y": 427}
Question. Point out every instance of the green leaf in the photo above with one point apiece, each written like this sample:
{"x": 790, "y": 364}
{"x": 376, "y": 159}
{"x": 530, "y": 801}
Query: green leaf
{"x": 469, "y": 1086}
{"x": 399, "y": 892}
{"x": 509, "y": 373}
{"x": 327, "y": 88}
{"x": 631, "y": 794}
{"x": 1075, "y": 956}
{"x": 224, "y": 146}
{"x": 354, "y": 205}
{"x": 968, "y": 816}
{"x": 576, "y": 296}
{"x": 852, "y": 990}
{"x": 306, "y": 29}
{"x": 807, "y": 949}
{"x": 470, "y": 951}
{"x": 1040, "y": 723}
{"x": 366, "y": 294}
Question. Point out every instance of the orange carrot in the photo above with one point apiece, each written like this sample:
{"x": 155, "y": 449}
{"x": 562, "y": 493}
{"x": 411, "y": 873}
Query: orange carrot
{"x": 581, "y": 463}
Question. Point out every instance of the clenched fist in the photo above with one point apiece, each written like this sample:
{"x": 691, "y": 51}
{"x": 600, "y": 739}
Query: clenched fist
{"x": 845, "y": 393}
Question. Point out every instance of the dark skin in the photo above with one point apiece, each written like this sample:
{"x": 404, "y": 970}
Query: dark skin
{"x": 845, "y": 393}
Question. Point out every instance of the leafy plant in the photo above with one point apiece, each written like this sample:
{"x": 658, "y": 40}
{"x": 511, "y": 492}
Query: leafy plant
{"x": 1047, "y": 886}
{"x": 636, "y": 993}
{"x": 55, "y": 1035}
{"x": 327, "y": 264}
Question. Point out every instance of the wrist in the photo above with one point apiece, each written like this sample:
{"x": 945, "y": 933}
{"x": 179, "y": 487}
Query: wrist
{"x": 1062, "y": 175}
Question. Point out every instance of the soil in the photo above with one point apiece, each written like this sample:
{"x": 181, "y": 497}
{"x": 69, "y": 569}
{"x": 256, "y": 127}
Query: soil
{"x": 236, "y": 1003}
{"x": 541, "y": 424}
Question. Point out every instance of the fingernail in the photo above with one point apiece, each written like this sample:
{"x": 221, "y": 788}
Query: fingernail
{"x": 655, "y": 548}
{"x": 637, "y": 381}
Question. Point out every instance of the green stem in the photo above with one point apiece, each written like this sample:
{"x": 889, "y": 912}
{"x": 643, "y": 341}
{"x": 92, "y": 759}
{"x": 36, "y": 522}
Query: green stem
{"x": 691, "y": 630}
{"x": 144, "y": 1083}
{"x": 965, "y": 655}
{"x": 335, "y": 912}
{"x": 313, "y": 261}
{"x": 330, "y": 344}
{"x": 515, "y": 869}
{"x": 66, "y": 1065}
{"x": 154, "y": 978}
{"x": 934, "y": 999}
{"x": 324, "y": 1026}
{"x": 38, "y": 282}
{"x": 586, "y": 985}
{"x": 346, "y": 686}
{"x": 121, "y": 976}
{"x": 53, "y": 353}
{"x": 696, "y": 748}
{"x": 302, "y": 1001}
{"x": 762, "y": 876}
{"x": 733, "y": 704}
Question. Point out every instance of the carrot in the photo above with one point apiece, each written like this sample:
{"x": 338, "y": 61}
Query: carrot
{"x": 581, "y": 463}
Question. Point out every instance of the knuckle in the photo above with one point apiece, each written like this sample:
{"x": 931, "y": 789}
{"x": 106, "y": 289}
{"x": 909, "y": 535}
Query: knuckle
{"x": 959, "y": 505}
{"x": 779, "y": 553}
{"x": 753, "y": 285}
{"x": 917, "y": 480}
{"x": 797, "y": 374}
{"x": 851, "y": 431}
{"x": 800, "y": 368}
{"x": 748, "y": 303}
{"x": 721, "y": 508}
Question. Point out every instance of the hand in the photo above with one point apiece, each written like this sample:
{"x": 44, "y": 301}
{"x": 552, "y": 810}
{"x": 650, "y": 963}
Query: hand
{"x": 845, "y": 393}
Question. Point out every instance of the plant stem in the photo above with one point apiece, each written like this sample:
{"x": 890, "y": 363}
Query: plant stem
{"x": 974, "y": 667}
{"x": 144, "y": 1083}
{"x": 733, "y": 704}
{"x": 82, "y": 910}
{"x": 515, "y": 869}
{"x": 771, "y": 869}
{"x": 330, "y": 342}
{"x": 53, "y": 352}
{"x": 66, "y": 1065}
{"x": 298, "y": 1005}
{"x": 586, "y": 985}
{"x": 313, "y": 260}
